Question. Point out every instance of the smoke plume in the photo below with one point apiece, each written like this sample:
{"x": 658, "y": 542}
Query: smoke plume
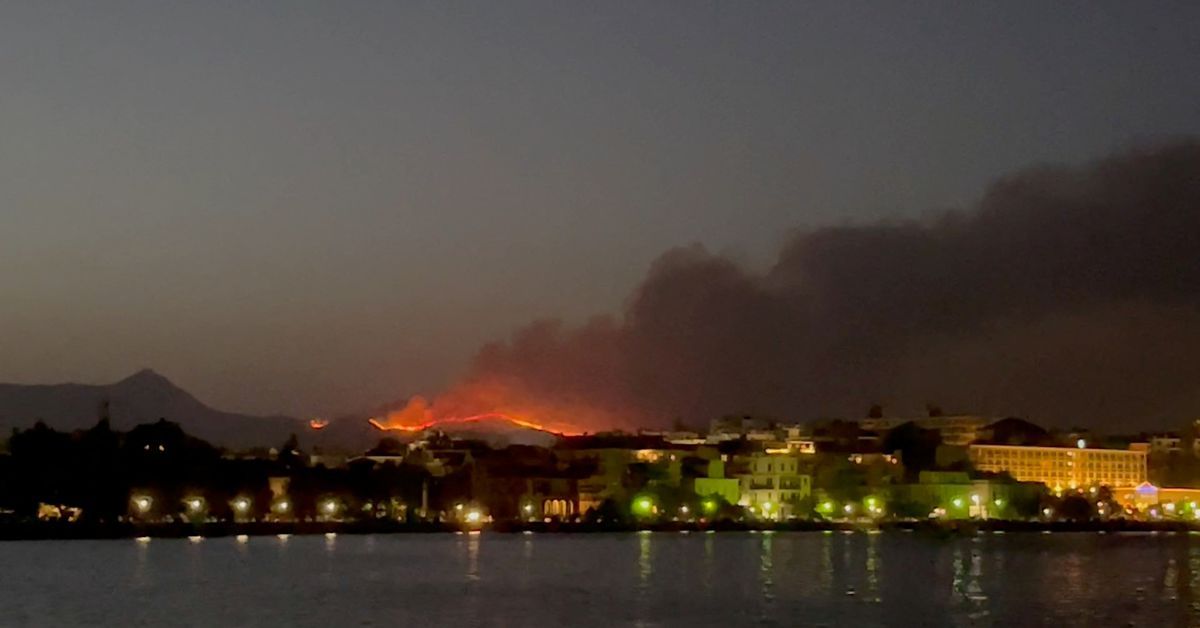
{"x": 1067, "y": 295}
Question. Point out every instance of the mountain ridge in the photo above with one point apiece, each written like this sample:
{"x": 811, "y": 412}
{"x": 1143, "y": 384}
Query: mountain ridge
{"x": 142, "y": 397}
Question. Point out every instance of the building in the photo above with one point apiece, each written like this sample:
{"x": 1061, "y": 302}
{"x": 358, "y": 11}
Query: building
{"x": 1064, "y": 467}
{"x": 1174, "y": 501}
{"x": 954, "y": 430}
{"x": 772, "y": 484}
{"x": 714, "y": 483}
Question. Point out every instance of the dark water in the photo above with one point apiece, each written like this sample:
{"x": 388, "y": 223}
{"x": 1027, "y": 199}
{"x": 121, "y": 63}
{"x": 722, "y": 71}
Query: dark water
{"x": 660, "y": 579}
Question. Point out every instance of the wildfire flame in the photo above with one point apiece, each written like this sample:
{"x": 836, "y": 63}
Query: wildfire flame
{"x": 557, "y": 430}
{"x": 479, "y": 403}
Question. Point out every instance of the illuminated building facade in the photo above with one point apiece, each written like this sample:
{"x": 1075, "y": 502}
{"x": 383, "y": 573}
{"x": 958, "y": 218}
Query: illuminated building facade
{"x": 1063, "y": 467}
{"x": 771, "y": 484}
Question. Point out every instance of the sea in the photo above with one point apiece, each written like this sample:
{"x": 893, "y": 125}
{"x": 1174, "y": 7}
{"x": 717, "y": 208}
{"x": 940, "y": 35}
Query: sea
{"x": 647, "y": 579}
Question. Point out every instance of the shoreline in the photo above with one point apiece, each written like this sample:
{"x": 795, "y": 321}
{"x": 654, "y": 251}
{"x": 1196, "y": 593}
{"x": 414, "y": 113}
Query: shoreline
{"x": 84, "y": 531}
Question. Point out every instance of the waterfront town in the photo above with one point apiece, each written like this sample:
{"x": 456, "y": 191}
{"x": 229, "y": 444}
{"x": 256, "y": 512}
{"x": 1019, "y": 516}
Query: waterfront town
{"x": 740, "y": 471}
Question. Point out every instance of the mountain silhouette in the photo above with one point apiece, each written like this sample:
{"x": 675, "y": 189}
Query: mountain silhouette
{"x": 143, "y": 397}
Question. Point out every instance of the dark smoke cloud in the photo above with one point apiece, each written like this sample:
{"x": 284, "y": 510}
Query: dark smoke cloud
{"x": 1068, "y": 295}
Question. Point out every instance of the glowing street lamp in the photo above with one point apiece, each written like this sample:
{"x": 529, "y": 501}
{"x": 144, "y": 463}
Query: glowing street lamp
{"x": 329, "y": 507}
{"x": 474, "y": 516}
{"x": 241, "y": 505}
{"x": 710, "y": 506}
{"x": 194, "y": 505}
{"x": 142, "y": 503}
{"x": 643, "y": 506}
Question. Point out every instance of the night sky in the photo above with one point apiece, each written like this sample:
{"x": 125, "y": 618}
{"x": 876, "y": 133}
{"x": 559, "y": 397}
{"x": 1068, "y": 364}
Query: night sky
{"x": 317, "y": 207}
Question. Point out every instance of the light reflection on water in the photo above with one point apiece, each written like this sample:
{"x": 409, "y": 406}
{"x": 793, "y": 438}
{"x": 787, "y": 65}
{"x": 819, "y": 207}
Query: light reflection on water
{"x": 659, "y": 579}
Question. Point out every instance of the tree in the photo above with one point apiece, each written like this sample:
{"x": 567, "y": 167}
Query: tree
{"x": 1075, "y": 508}
{"x": 918, "y": 447}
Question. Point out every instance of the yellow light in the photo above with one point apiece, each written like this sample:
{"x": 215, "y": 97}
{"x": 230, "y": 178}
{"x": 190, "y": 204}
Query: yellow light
{"x": 528, "y": 507}
{"x": 330, "y": 506}
{"x": 474, "y": 516}
{"x": 142, "y": 503}
{"x": 143, "y": 539}
{"x": 195, "y": 539}
{"x": 241, "y": 504}
{"x": 331, "y": 535}
{"x": 242, "y": 538}
{"x": 766, "y": 506}
{"x": 683, "y": 509}
{"x": 194, "y": 504}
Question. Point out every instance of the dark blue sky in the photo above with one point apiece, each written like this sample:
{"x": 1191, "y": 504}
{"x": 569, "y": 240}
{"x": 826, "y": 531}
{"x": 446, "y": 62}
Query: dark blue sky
{"x": 309, "y": 207}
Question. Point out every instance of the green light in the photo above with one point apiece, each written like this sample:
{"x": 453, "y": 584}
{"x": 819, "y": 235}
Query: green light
{"x": 958, "y": 502}
{"x": 710, "y": 505}
{"x": 826, "y": 506}
{"x": 999, "y": 503}
{"x": 643, "y": 506}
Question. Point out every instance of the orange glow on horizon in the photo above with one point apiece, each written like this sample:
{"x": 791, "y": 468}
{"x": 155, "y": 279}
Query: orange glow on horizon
{"x": 318, "y": 424}
{"x": 558, "y": 430}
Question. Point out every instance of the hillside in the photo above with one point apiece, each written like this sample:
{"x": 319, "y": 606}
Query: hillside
{"x": 142, "y": 397}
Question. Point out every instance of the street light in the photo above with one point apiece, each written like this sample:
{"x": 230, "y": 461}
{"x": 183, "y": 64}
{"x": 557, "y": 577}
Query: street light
{"x": 142, "y": 503}
{"x": 241, "y": 505}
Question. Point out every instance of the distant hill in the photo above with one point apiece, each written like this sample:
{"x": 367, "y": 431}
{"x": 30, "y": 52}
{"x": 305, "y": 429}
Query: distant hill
{"x": 147, "y": 396}
{"x": 142, "y": 397}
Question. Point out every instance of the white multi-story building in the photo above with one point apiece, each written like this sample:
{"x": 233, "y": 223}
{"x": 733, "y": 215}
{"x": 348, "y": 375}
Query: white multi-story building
{"x": 771, "y": 484}
{"x": 1064, "y": 467}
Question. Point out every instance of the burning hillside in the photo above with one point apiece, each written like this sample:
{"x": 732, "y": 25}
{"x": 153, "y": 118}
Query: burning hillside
{"x": 452, "y": 410}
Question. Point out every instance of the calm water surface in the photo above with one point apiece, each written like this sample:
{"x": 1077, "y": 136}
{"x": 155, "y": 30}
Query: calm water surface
{"x": 660, "y": 579}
